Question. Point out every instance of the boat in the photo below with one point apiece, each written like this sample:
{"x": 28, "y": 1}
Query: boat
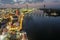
{"x": 54, "y": 14}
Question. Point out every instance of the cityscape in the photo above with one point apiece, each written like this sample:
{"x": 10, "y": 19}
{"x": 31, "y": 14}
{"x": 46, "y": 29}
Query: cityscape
{"x": 29, "y": 19}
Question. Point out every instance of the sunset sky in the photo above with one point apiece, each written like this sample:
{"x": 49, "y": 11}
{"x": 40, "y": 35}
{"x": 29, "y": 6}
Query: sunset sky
{"x": 24, "y": 1}
{"x": 34, "y": 3}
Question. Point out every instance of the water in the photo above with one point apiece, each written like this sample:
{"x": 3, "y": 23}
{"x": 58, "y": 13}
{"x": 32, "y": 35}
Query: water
{"x": 39, "y": 26}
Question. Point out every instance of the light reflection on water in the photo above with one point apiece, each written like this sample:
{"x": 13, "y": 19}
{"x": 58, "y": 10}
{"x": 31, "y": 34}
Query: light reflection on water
{"x": 38, "y": 26}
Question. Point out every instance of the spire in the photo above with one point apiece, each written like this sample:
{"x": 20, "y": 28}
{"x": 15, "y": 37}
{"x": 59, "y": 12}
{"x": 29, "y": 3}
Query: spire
{"x": 44, "y": 5}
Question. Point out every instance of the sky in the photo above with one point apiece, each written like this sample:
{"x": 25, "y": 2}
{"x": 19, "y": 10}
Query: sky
{"x": 24, "y": 1}
{"x": 35, "y": 3}
{"x": 18, "y": 1}
{"x": 52, "y": 0}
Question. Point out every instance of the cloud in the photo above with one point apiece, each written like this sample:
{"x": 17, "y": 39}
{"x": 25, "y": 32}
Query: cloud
{"x": 32, "y": 3}
{"x": 19, "y": 1}
{"x": 25, "y": 1}
{"x": 6, "y": 1}
{"x": 51, "y": 0}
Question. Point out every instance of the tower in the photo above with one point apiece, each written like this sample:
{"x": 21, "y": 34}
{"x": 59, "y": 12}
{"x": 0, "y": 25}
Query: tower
{"x": 44, "y": 6}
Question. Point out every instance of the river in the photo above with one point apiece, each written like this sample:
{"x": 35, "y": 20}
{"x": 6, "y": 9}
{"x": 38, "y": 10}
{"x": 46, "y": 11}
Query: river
{"x": 39, "y": 26}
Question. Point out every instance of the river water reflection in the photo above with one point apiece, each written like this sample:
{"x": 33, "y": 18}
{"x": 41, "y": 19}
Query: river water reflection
{"x": 39, "y": 26}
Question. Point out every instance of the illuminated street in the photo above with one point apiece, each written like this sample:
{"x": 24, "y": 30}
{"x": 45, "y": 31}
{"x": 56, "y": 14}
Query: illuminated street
{"x": 29, "y": 19}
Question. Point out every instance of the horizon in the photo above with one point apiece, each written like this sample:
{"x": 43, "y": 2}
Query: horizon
{"x": 31, "y": 3}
